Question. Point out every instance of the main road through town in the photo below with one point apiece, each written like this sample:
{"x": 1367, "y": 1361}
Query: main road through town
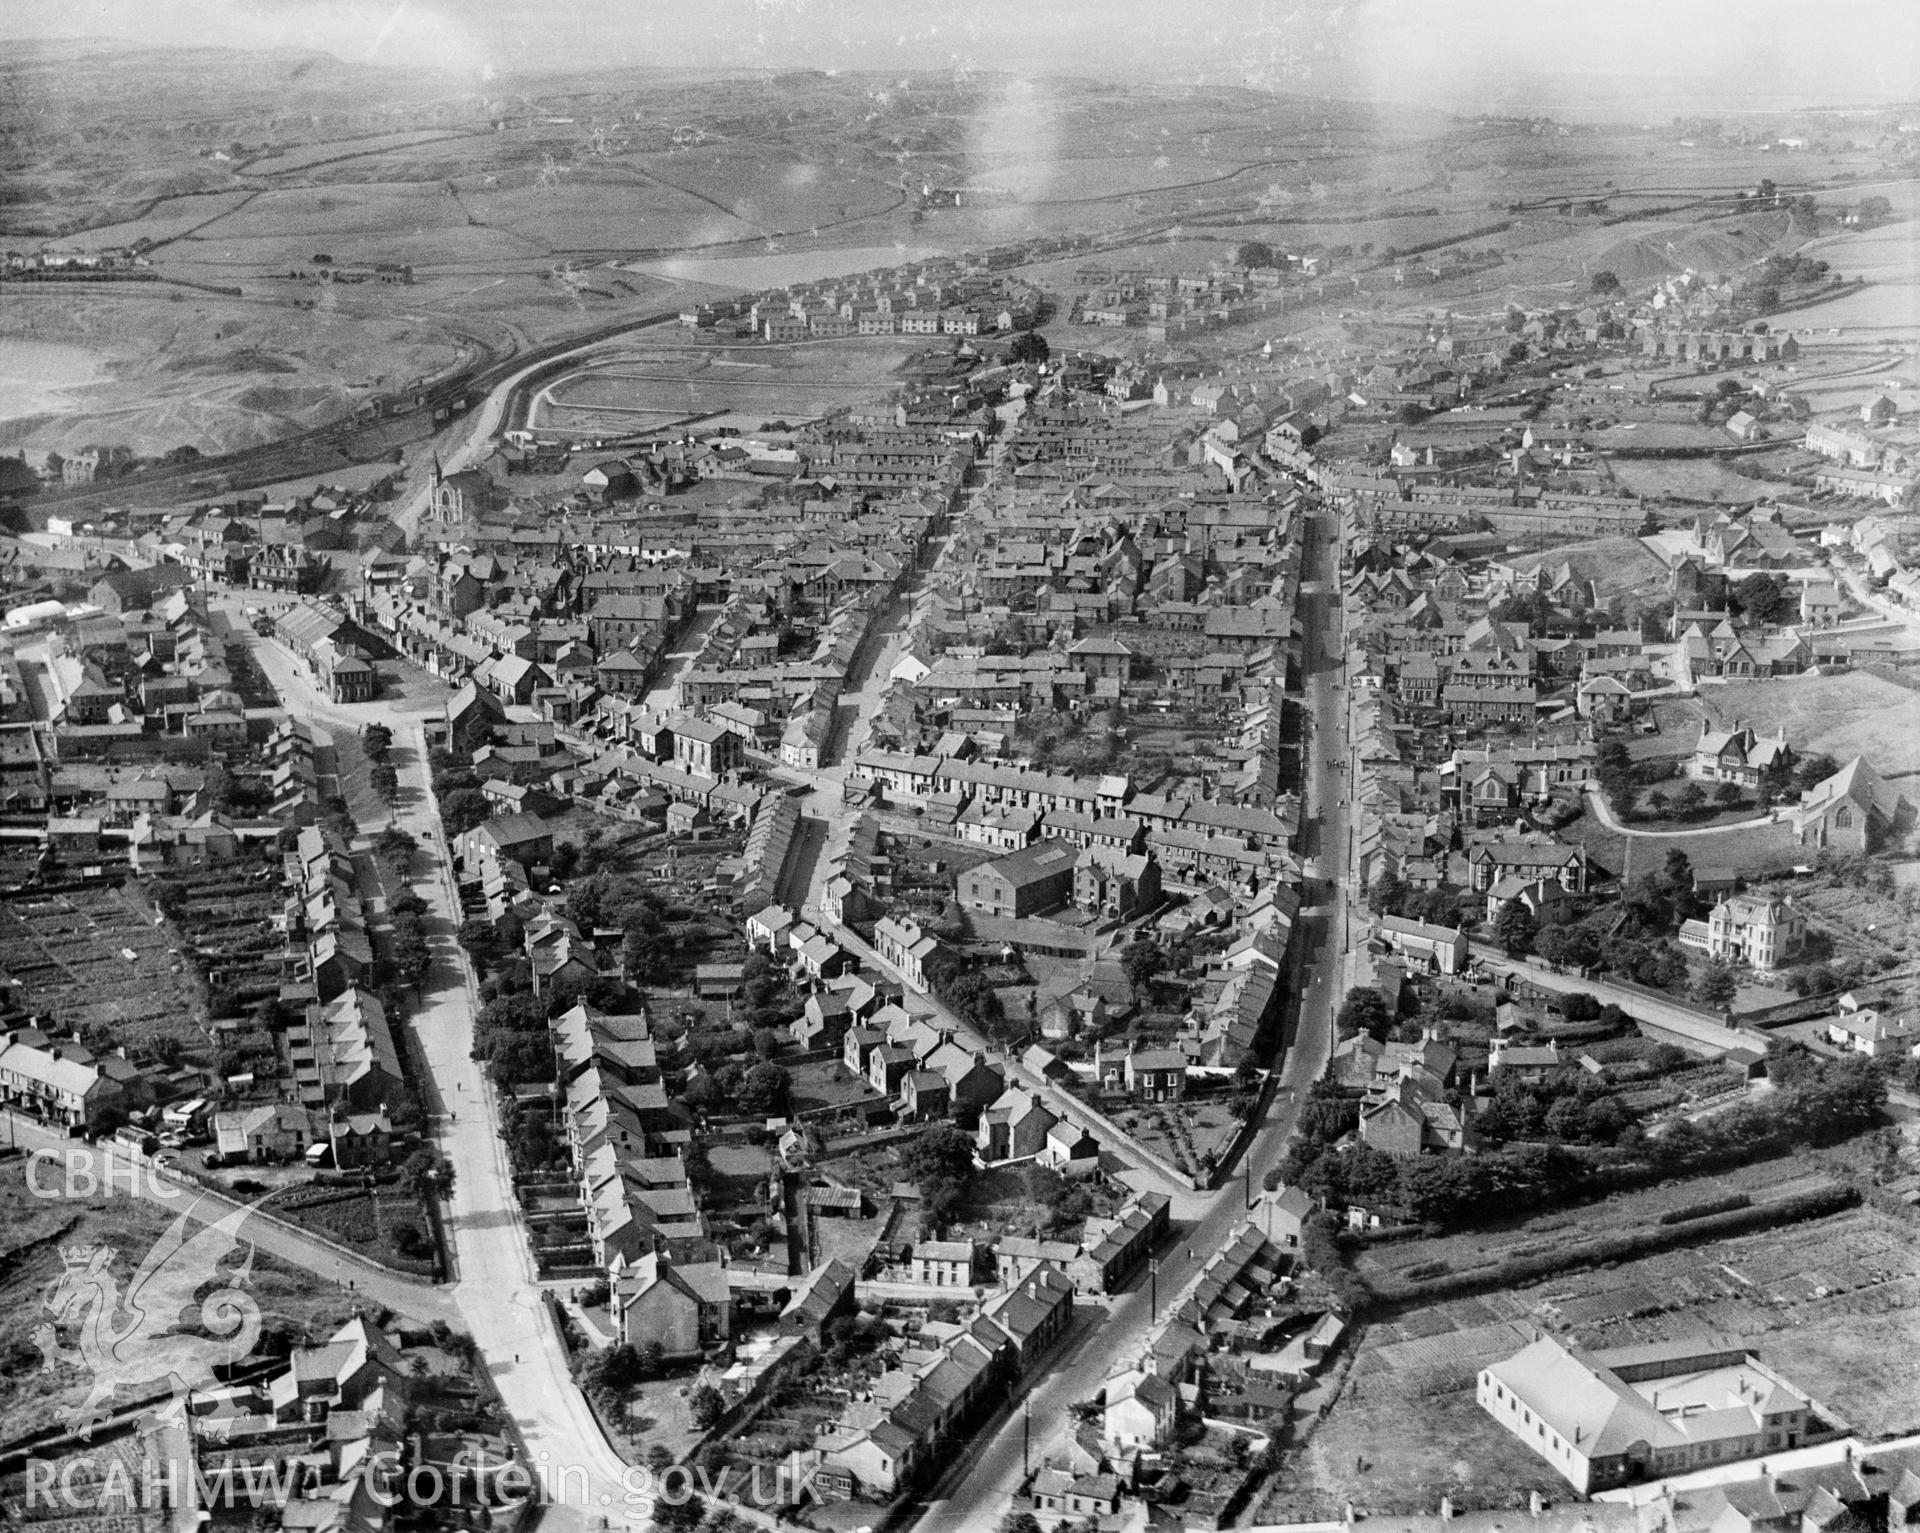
{"x": 987, "y": 1469}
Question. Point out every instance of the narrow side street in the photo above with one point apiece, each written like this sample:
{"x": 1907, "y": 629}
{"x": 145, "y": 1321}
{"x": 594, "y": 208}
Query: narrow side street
{"x": 975, "y": 1489}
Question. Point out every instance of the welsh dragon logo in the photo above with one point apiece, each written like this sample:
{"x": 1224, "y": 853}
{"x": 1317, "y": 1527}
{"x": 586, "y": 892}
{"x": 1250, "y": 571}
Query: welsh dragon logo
{"x": 134, "y": 1341}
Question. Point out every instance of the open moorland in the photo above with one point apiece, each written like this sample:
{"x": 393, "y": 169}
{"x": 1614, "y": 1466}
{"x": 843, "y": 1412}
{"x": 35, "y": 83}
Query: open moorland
{"x": 292, "y": 1304}
{"x": 308, "y": 234}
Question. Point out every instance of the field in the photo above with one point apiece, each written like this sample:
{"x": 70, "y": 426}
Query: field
{"x": 1693, "y": 478}
{"x": 1888, "y": 310}
{"x": 1840, "y": 716}
{"x": 755, "y": 384}
{"x": 1752, "y": 853}
{"x": 1834, "y": 1304}
{"x": 30, "y": 1260}
{"x": 67, "y": 950}
{"x": 1617, "y": 566}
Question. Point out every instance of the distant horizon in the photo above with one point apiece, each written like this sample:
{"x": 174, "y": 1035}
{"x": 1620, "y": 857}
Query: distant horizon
{"x": 1681, "y": 91}
{"x": 1637, "y": 60}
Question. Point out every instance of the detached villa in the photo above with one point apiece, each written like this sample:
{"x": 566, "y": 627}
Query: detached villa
{"x": 1759, "y": 929}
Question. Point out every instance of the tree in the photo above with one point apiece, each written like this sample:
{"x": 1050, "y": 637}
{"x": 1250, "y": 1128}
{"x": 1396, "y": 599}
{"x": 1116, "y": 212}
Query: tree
{"x": 706, "y": 1405}
{"x": 939, "y": 1161}
{"x": 1578, "y": 1006}
{"x": 518, "y": 1059}
{"x": 1717, "y": 986}
{"x": 1024, "y": 1522}
{"x": 1605, "y": 284}
{"x": 1763, "y": 599}
{"x": 1142, "y": 961}
{"x": 937, "y": 1151}
{"x": 1387, "y": 895}
{"x": 1514, "y": 929}
{"x": 395, "y": 847}
{"x": 377, "y": 739}
{"x": 1363, "y": 1011}
{"x": 765, "y": 1090}
{"x": 386, "y": 781}
{"x": 1029, "y": 346}
{"x": 679, "y": 1516}
{"x": 1676, "y": 874}
{"x": 463, "y": 809}
{"x": 1727, "y": 795}
{"x": 1813, "y": 770}
{"x": 427, "y": 1174}
{"x": 1689, "y": 798}
{"x": 1255, "y": 253}
{"x": 971, "y": 993}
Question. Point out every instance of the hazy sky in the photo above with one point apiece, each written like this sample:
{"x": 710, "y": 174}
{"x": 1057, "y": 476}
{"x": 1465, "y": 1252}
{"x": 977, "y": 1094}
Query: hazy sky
{"x": 1636, "y": 57}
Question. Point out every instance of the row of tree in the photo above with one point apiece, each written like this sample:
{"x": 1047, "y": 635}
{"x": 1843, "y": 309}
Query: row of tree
{"x": 1815, "y": 1101}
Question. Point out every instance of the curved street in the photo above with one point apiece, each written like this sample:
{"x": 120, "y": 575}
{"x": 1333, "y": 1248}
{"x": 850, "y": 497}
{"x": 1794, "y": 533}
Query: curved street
{"x": 1603, "y": 812}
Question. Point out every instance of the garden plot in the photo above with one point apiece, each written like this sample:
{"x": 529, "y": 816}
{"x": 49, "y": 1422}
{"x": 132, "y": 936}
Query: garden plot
{"x": 94, "y": 957}
{"x": 1833, "y": 1303}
